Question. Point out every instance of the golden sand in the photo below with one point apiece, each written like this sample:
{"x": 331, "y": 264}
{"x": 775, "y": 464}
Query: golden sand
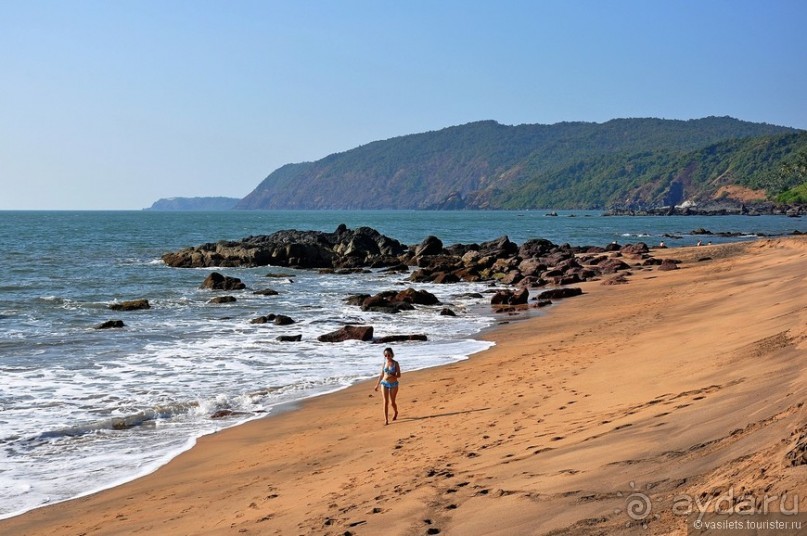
{"x": 688, "y": 383}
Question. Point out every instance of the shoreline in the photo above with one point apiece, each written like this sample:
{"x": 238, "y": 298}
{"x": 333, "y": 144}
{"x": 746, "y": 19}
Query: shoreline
{"x": 331, "y": 470}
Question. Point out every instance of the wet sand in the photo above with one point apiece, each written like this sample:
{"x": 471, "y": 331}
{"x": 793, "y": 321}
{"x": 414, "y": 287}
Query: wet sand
{"x": 687, "y": 383}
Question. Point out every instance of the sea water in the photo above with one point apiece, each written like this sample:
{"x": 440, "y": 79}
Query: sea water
{"x": 83, "y": 409}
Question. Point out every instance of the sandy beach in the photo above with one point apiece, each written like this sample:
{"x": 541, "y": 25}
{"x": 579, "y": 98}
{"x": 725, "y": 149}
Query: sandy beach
{"x": 684, "y": 383}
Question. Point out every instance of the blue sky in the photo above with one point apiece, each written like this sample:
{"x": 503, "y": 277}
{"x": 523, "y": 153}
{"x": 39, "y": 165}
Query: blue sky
{"x": 112, "y": 105}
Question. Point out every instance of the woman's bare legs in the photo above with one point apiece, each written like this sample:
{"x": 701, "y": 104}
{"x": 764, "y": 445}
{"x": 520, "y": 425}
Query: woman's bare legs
{"x": 392, "y": 394}
{"x": 386, "y": 404}
{"x": 389, "y": 398}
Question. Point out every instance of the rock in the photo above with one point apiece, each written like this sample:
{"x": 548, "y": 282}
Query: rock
{"x": 222, "y": 299}
{"x": 531, "y": 267}
{"x": 470, "y": 258}
{"x": 384, "y": 302}
{"x": 511, "y": 278}
{"x": 560, "y": 293}
{"x": 262, "y": 319}
{"x": 520, "y": 296}
{"x": 290, "y": 338}
{"x": 131, "y": 305}
{"x": 282, "y": 320}
{"x": 111, "y": 324}
{"x": 278, "y": 320}
{"x": 266, "y": 292}
{"x": 616, "y": 280}
{"x": 399, "y": 338}
{"x": 612, "y": 265}
{"x": 541, "y": 303}
{"x": 361, "y": 333}
{"x": 344, "y": 248}
{"x": 500, "y": 248}
{"x": 356, "y": 299}
{"x": 502, "y": 297}
{"x": 279, "y": 276}
{"x": 701, "y": 231}
{"x": 447, "y": 312}
{"x": 510, "y": 297}
{"x": 216, "y": 281}
{"x": 431, "y": 245}
{"x": 445, "y": 278}
{"x": 639, "y": 248}
{"x": 416, "y": 297}
{"x": 222, "y": 413}
{"x": 533, "y": 282}
{"x": 797, "y": 455}
{"x": 668, "y": 264}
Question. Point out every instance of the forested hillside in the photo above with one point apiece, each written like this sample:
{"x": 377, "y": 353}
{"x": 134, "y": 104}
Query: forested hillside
{"x": 646, "y": 162}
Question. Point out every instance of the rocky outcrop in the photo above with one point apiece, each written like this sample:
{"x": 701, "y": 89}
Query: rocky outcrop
{"x": 131, "y": 305}
{"x": 535, "y": 264}
{"x": 343, "y": 248}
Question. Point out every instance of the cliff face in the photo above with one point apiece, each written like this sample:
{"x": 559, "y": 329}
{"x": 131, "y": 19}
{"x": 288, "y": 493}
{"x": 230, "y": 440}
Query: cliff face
{"x": 566, "y": 165}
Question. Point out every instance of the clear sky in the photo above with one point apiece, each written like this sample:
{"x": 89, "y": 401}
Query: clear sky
{"x": 114, "y": 104}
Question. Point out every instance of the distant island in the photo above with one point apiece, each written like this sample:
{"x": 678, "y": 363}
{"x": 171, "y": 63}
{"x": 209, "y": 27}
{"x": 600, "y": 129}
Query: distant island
{"x": 194, "y": 203}
{"x": 710, "y": 165}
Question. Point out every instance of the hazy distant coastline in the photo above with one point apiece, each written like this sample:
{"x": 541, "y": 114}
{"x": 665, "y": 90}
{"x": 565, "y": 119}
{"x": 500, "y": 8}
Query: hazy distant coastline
{"x": 194, "y": 203}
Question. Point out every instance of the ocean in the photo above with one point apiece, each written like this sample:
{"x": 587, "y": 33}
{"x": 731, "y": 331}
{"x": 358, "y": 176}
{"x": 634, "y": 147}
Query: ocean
{"x": 83, "y": 409}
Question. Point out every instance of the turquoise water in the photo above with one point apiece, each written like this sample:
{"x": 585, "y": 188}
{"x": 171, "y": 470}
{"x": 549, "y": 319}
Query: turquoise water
{"x": 67, "y": 388}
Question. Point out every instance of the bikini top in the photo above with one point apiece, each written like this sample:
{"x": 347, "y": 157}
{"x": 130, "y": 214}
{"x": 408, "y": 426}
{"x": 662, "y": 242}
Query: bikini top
{"x": 392, "y": 370}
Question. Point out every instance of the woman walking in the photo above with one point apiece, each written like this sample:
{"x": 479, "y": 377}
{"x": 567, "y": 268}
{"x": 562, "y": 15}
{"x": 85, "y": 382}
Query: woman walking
{"x": 388, "y": 379}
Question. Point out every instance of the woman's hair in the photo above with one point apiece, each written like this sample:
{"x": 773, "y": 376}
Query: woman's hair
{"x": 391, "y": 353}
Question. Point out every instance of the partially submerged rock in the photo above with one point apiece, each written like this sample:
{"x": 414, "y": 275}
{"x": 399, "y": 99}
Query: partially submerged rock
{"x": 222, "y": 299}
{"x": 216, "y": 281}
{"x": 111, "y": 324}
{"x": 131, "y": 305}
{"x": 361, "y": 333}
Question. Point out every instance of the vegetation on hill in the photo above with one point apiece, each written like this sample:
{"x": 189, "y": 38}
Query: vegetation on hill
{"x": 567, "y": 165}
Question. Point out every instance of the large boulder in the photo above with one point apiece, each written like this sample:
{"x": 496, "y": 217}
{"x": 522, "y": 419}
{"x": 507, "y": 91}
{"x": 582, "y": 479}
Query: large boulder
{"x": 361, "y": 333}
{"x": 216, "y": 281}
{"x": 559, "y": 293}
{"x": 431, "y": 245}
{"x": 416, "y": 297}
{"x": 668, "y": 264}
{"x": 511, "y": 297}
{"x": 612, "y": 265}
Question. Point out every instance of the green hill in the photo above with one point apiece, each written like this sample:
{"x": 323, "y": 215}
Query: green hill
{"x": 565, "y": 165}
